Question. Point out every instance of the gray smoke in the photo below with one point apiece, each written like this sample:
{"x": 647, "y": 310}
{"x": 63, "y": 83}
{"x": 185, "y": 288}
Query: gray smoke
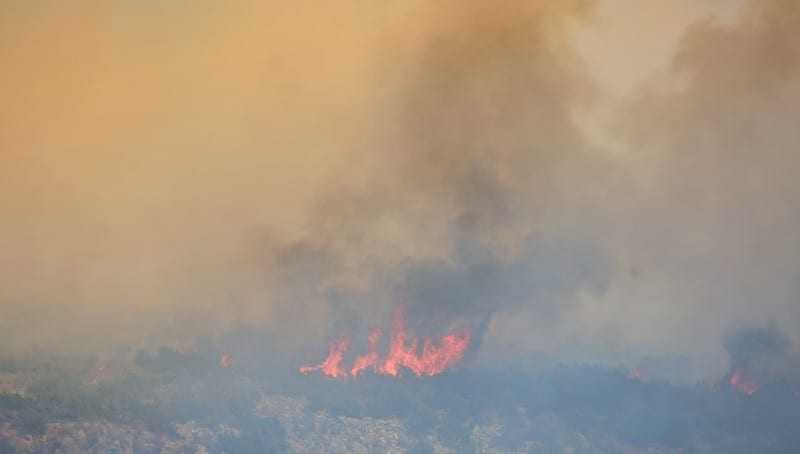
{"x": 430, "y": 155}
{"x": 764, "y": 355}
{"x": 495, "y": 205}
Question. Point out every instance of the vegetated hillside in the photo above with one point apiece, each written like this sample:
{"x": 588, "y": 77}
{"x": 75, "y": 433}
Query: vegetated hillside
{"x": 172, "y": 401}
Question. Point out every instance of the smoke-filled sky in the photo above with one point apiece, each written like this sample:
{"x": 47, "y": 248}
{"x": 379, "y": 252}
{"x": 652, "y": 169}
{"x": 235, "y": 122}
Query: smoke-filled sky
{"x": 596, "y": 180}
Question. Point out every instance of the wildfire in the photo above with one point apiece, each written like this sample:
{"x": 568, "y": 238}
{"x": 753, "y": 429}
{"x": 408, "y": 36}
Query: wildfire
{"x": 332, "y": 364}
{"x": 99, "y": 374}
{"x": 742, "y": 384}
{"x": 403, "y": 352}
{"x": 226, "y": 361}
{"x": 370, "y": 360}
{"x": 635, "y": 374}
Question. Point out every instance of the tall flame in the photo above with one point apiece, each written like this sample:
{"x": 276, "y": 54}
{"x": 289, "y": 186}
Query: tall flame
{"x": 403, "y": 352}
{"x": 433, "y": 360}
{"x": 332, "y": 364}
{"x": 370, "y": 359}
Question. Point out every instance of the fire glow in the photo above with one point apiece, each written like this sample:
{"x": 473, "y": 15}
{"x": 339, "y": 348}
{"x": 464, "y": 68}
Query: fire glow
{"x": 404, "y": 352}
{"x": 742, "y": 384}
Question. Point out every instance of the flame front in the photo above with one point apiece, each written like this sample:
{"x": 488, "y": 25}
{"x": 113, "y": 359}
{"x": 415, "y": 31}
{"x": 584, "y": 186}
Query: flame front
{"x": 403, "y": 353}
{"x": 332, "y": 365}
{"x": 371, "y": 358}
{"x": 433, "y": 359}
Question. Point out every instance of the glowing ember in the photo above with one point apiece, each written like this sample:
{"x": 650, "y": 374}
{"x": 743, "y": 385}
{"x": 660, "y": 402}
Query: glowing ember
{"x": 635, "y": 375}
{"x": 742, "y": 384}
{"x": 434, "y": 358}
{"x": 100, "y": 374}
{"x": 226, "y": 361}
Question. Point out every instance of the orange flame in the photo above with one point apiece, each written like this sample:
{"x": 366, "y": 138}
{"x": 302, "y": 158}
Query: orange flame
{"x": 433, "y": 360}
{"x": 742, "y": 384}
{"x": 370, "y": 359}
{"x": 226, "y": 361}
{"x": 403, "y": 352}
{"x": 332, "y": 364}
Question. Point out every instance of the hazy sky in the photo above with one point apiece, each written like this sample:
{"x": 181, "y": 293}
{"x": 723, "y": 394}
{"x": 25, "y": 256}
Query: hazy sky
{"x": 170, "y": 163}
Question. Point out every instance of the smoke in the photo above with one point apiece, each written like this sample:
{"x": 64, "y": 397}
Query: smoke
{"x": 477, "y": 154}
{"x": 658, "y": 247}
{"x": 310, "y": 169}
{"x": 711, "y": 139}
{"x": 763, "y": 356}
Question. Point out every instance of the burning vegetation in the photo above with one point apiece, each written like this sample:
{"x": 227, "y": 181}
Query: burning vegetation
{"x": 479, "y": 172}
{"x": 405, "y": 351}
{"x": 741, "y": 383}
{"x": 172, "y": 400}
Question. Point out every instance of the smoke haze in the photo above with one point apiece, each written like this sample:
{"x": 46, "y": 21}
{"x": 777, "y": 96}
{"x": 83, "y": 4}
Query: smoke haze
{"x": 170, "y": 171}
